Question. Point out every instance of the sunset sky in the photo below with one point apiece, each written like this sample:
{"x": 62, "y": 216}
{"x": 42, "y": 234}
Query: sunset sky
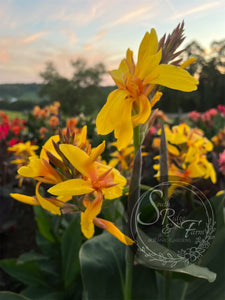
{"x": 34, "y": 32}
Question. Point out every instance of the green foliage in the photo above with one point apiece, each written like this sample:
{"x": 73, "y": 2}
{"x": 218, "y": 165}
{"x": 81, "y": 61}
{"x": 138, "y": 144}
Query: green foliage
{"x": 103, "y": 265}
{"x": 11, "y": 296}
{"x": 52, "y": 271}
{"x": 81, "y": 93}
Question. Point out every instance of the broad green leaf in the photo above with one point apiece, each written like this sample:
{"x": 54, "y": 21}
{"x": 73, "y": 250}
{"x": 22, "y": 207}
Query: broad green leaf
{"x": 12, "y": 296}
{"x": 44, "y": 223}
{"x": 37, "y": 293}
{"x": 213, "y": 259}
{"x": 30, "y": 256}
{"x": 102, "y": 261}
{"x": 157, "y": 256}
{"x": 102, "y": 265}
{"x": 70, "y": 246}
{"x": 28, "y": 273}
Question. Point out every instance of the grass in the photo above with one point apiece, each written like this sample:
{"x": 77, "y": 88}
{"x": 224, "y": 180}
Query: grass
{"x": 14, "y": 114}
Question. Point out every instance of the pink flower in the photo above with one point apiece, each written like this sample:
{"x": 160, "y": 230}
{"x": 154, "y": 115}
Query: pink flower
{"x": 209, "y": 115}
{"x": 221, "y": 109}
{"x": 14, "y": 141}
{"x": 194, "y": 116}
{"x": 3, "y": 131}
{"x": 222, "y": 162}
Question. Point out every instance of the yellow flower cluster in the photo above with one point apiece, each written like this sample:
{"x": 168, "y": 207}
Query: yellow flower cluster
{"x": 72, "y": 169}
{"x": 187, "y": 154}
{"x": 22, "y": 153}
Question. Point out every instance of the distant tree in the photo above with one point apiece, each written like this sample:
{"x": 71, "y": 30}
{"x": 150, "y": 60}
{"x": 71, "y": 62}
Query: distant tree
{"x": 80, "y": 93}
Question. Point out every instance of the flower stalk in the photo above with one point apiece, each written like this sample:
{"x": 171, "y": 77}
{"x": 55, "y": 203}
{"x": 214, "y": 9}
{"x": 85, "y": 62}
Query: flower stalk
{"x": 134, "y": 194}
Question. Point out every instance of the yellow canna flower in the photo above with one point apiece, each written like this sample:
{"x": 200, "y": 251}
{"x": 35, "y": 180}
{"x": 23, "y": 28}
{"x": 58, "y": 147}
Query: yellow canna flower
{"x": 128, "y": 106}
{"x": 98, "y": 178}
{"x": 75, "y": 170}
{"x": 187, "y": 150}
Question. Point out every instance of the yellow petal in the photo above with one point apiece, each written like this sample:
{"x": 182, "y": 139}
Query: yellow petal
{"x": 146, "y": 66}
{"x": 111, "y": 228}
{"x": 48, "y": 146}
{"x": 77, "y": 157}
{"x": 118, "y": 75}
{"x": 149, "y": 45}
{"x": 25, "y": 199}
{"x": 53, "y": 208}
{"x": 130, "y": 61}
{"x": 71, "y": 187}
{"x": 87, "y": 217}
{"x": 144, "y": 111}
{"x": 173, "y": 150}
{"x": 124, "y": 130}
{"x": 108, "y": 117}
{"x": 188, "y": 62}
{"x": 156, "y": 98}
{"x": 96, "y": 152}
{"x": 175, "y": 78}
{"x": 83, "y": 136}
{"x": 33, "y": 169}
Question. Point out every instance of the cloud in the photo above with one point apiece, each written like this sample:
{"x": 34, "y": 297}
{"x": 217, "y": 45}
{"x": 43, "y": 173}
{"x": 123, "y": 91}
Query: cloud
{"x": 4, "y": 56}
{"x": 130, "y": 16}
{"x": 203, "y": 7}
{"x": 88, "y": 47}
{"x": 85, "y": 16}
{"x": 101, "y": 34}
{"x": 34, "y": 37}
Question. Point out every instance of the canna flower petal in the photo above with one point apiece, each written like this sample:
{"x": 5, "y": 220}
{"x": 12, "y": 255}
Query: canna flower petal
{"x": 87, "y": 217}
{"x": 71, "y": 187}
{"x": 124, "y": 129}
{"x": 144, "y": 111}
{"x": 25, "y": 199}
{"x": 107, "y": 118}
{"x": 40, "y": 170}
{"x": 48, "y": 146}
{"x": 96, "y": 152}
{"x": 111, "y": 228}
{"x": 118, "y": 75}
{"x": 45, "y": 203}
{"x": 77, "y": 157}
{"x": 175, "y": 78}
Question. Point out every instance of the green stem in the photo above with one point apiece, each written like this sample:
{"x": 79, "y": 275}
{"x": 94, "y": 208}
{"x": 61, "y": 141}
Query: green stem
{"x": 137, "y": 139}
{"x": 133, "y": 197}
{"x": 184, "y": 292}
{"x": 129, "y": 273}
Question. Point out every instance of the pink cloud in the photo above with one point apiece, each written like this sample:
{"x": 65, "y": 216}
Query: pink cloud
{"x": 4, "y": 56}
{"x": 34, "y": 37}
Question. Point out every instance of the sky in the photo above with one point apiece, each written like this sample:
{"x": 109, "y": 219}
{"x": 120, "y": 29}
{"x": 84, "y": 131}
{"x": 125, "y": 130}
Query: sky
{"x": 34, "y": 32}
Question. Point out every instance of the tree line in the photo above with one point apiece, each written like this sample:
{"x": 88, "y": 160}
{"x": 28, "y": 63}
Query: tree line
{"x": 83, "y": 92}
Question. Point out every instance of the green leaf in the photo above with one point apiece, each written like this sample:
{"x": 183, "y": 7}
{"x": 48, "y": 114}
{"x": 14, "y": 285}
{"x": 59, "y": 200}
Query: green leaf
{"x": 27, "y": 273}
{"x": 30, "y": 256}
{"x": 44, "y": 223}
{"x": 37, "y": 293}
{"x": 200, "y": 272}
{"x": 12, "y": 296}
{"x": 70, "y": 246}
{"x": 102, "y": 265}
{"x": 214, "y": 259}
{"x": 102, "y": 260}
